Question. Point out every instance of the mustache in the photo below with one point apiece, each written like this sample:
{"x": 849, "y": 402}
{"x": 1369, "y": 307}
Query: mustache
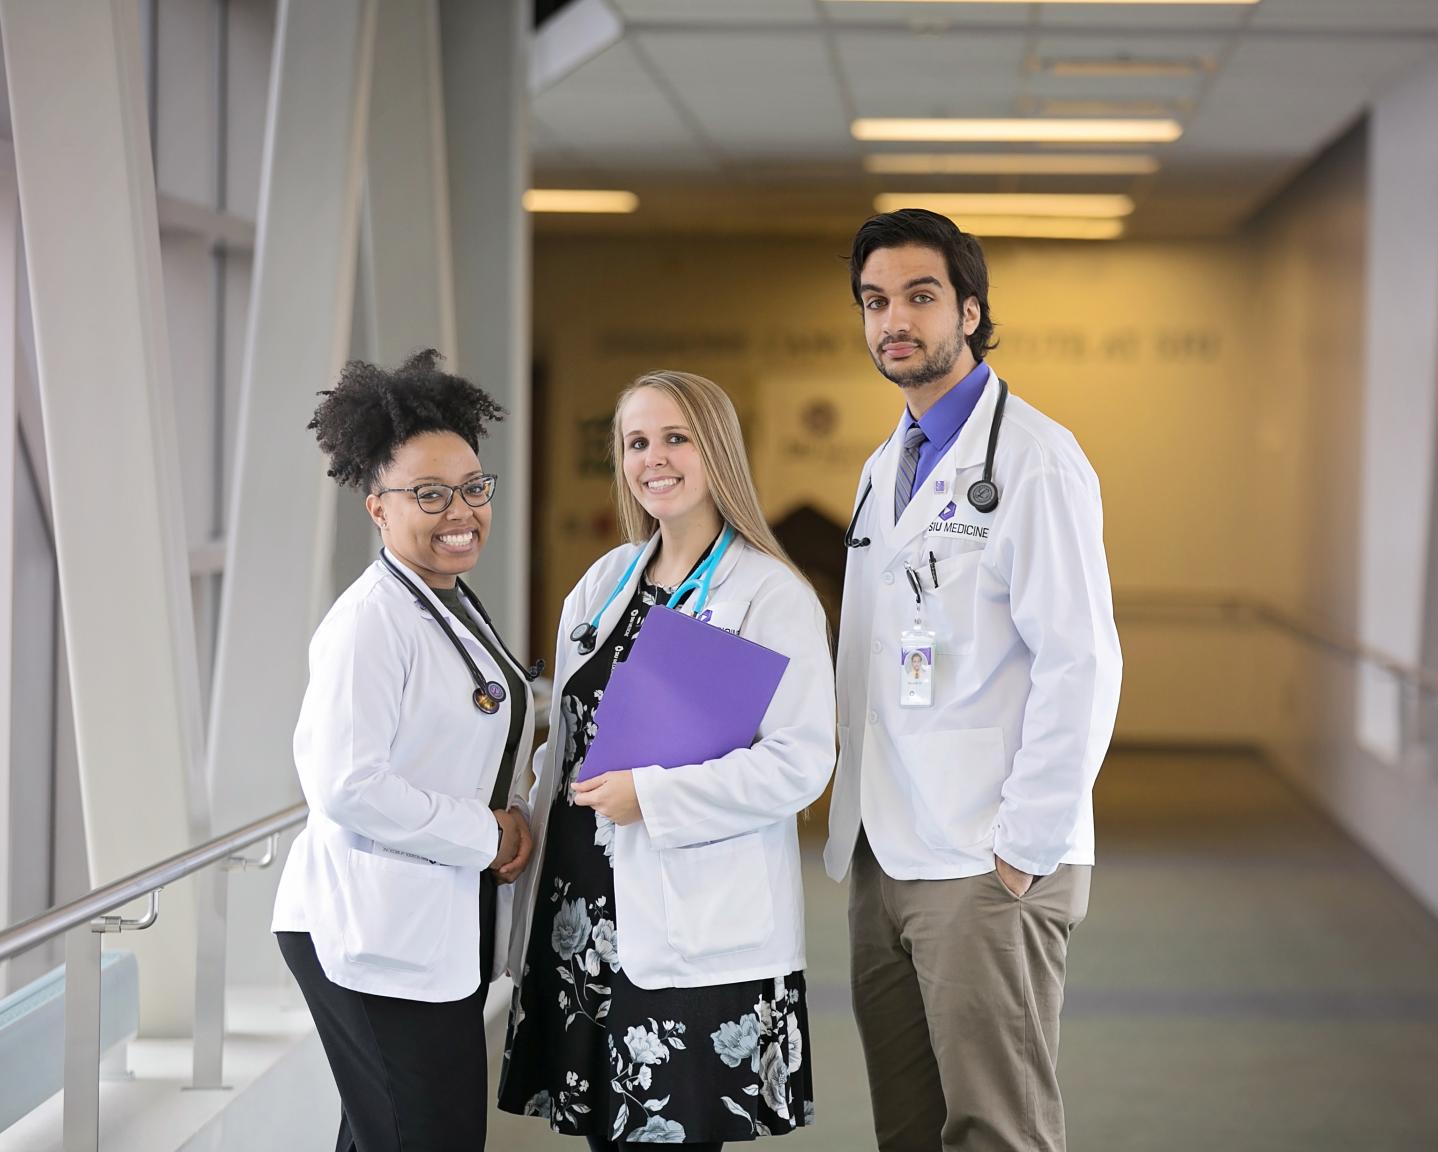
{"x": 884, "y": 343}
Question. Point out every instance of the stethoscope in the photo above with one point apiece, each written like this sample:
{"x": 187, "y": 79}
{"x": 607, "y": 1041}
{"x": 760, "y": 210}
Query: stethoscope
{"x": 586, "y": 635}
{"x": 488, "y": 694}
{"x": 983, "y": 494}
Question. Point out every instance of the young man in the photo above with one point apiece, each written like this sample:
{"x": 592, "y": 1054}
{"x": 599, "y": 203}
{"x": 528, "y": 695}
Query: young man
{"x": 968, "y": 821}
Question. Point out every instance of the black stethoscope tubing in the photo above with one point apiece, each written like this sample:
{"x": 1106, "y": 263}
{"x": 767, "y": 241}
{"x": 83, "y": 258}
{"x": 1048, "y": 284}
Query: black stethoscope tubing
{"x": 483, "y": 689}
{"x": 983, "y": 494}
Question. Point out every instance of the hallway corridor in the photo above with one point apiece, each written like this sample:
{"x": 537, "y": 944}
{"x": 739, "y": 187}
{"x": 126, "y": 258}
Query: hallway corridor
{"x": 1247, "y": 980}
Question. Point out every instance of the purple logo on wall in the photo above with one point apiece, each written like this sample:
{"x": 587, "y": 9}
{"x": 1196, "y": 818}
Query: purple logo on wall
{"x": 948, "y": 512}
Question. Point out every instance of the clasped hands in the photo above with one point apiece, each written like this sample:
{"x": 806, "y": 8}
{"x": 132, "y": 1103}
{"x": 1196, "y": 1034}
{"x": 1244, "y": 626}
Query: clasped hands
{"x": 515, "y": 845}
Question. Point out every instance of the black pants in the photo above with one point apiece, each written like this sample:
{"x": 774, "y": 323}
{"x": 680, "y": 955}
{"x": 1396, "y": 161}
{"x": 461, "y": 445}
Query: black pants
{"x": 599, "y": 1144}
{"x": 411, "y": 1074}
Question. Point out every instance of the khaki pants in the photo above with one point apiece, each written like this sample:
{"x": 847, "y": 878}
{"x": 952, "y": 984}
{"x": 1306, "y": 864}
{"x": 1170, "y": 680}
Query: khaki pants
{"x": 957, "y": 989}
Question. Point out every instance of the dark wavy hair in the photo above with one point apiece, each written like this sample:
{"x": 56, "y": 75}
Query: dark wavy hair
{"x": 968, "y": 271}
{"x": 364, "y": 418}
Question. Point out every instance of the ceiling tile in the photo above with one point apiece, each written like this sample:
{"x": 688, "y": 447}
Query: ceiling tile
{"x": 955, "y": 17}
{"x": 706, "y": 12}
{"x": 1373, "y": 15}
{"x": 1201, "y": 18}
{"x": 754, "y": 94}
{"x": 901, "y": 74}
{"x": 609, "y": 112}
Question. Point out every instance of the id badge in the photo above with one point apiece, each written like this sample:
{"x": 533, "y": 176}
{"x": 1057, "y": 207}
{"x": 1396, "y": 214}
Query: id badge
{"x": 916, "y": 668}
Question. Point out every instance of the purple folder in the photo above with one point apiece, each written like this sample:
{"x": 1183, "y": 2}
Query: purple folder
{"x": 686, "y": 693}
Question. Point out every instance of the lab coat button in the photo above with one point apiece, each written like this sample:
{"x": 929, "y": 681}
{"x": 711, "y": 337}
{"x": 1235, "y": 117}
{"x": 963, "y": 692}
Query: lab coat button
{"x": 873, "y": 717}
{"x": 888, "y": 577}
{"x": 878, "y": 645}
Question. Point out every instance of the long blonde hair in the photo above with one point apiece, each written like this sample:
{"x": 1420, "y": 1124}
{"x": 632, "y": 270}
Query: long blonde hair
{"x": 712, "y": 421}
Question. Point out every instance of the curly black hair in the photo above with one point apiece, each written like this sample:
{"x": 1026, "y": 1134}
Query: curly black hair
{"x": 372, "y": 411}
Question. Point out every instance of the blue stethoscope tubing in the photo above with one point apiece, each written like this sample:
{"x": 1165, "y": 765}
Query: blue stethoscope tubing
{"x": 983, "y": 494}
{"x": 586, "y": 635}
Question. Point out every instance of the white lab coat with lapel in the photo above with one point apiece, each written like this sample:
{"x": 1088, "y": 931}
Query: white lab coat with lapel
{"x": 392, "y": 753}
{"x": 707, "y": 886}
{"x": 1027, "y": 662}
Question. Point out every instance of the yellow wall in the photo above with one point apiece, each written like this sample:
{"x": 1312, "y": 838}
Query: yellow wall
{"x": 1137, "y": 348}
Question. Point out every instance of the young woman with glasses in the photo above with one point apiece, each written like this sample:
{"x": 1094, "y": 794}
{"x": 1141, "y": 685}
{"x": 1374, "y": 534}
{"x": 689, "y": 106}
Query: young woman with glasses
{"x": 411, "y": 726}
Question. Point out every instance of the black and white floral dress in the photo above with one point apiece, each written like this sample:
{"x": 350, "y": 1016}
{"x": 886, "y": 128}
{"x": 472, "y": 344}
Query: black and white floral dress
{"x": 595, "y": 1054}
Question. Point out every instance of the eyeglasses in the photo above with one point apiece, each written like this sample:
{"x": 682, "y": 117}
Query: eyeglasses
{"x": 435, "y": 498}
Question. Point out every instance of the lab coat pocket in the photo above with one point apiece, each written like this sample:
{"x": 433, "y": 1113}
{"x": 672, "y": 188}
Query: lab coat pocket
{"x": 958, "y": 780}
{"x": 716, "y": 897}
{"x": 957, "y": 599}
{"x": 395, "y": 913}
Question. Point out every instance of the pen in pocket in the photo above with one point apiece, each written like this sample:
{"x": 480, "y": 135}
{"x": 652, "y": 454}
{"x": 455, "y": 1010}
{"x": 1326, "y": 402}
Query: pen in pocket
{"x": 933, "y": 570}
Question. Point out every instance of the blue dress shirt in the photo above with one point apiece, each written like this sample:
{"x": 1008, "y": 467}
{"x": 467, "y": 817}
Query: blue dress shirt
{"x": 943, "y": 422}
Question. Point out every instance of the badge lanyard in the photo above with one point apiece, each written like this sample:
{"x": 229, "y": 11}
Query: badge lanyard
{"x": 917, "y": 652}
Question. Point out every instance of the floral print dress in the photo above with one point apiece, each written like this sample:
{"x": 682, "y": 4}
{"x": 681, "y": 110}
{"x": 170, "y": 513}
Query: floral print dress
{"x": 595, "y": 1054}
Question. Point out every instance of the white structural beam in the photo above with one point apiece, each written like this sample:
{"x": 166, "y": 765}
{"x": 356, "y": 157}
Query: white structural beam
{"x": 406, "y": 235}
{"x": 1400, "y": 398}
{"x": 486, "y": 90}
{"x": 9, "y": 431}
{"x": 405, "y": 293}
{"x": 87, "y": 204}
{"x": 280, "y": 522}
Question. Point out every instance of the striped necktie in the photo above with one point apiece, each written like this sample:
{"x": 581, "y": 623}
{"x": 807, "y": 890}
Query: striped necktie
{"x": 914, "y": 440}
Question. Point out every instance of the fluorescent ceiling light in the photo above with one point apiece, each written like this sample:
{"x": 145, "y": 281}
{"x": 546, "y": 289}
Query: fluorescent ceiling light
{"x": 1008, "y": 164}
{"x": 1061, "y": 204}
{"x": 1040, "y": 227}
{"x": 579, "y": 200}
{"x": 1021, "y": 130}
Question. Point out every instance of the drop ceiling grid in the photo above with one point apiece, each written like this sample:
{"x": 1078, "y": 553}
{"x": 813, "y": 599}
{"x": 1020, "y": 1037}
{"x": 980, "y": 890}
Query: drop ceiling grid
{"x": 1313, "y": 61}
{"x": 774, "y": 80}
{"x": 1413, "y": 15}
{"x": 1278, "y": 122}
{"x": 1187, "y": 17}
{"x": 609, "y": 112}
{"x": 899, "y": 74}
{"x": 930, "y": 16}
{"x": 1058, "y": 45}
{"x": 780, "y": 94}
{"x": 706, "y": 12}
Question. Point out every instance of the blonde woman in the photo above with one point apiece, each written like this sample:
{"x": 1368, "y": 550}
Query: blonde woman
{"x": 659, "y": 939}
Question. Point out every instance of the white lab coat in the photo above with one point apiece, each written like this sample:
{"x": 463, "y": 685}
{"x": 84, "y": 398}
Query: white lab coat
{"x": 1027, "y": 662}
{"x": 393, "y": 754}
{"x": 707, "y": 886}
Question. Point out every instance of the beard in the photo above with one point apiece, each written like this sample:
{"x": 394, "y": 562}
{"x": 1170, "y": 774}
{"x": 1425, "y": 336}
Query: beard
{"x": 935, "y": 364}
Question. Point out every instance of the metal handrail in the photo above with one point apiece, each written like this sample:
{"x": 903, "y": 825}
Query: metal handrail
{"x": 82, "y": 922}
{"x": 59, "y": 920}
{"x": 1239, "y": 610}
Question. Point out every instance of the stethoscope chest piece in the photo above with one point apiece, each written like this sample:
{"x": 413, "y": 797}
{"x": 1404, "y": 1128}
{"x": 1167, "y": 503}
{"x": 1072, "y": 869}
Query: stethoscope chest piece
{"x": 586, "y": 635}
{"x": 984, "y": 495}
{"x": 488, "y": 698}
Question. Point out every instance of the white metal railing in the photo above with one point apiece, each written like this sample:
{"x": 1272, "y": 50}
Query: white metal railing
{"x": 1418, "y": 688}
{"x": 82, "y": 922}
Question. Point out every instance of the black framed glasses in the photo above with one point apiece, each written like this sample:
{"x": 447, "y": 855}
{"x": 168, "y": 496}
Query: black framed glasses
{"x": 434, "y": 498}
